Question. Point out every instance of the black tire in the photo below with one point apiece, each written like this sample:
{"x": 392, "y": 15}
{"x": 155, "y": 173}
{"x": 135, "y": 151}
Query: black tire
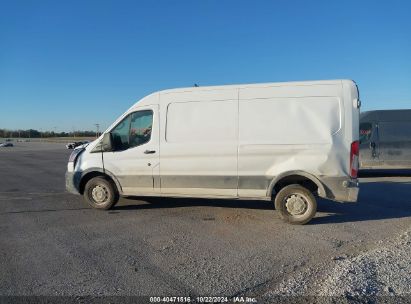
{"x": 303, "y": 204}
{"x": 99, "y": 187}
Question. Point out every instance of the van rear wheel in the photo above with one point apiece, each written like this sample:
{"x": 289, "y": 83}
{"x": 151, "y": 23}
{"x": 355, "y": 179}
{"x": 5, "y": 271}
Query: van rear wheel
{"x": 296, "y": 204}
{"x": 100, "y": 193}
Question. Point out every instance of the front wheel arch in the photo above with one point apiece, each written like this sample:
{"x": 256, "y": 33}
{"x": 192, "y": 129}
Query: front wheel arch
{"x": 88, "y": 175}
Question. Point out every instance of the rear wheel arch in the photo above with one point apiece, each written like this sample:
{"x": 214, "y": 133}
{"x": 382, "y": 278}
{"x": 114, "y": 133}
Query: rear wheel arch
{"x": 302, "y": 178}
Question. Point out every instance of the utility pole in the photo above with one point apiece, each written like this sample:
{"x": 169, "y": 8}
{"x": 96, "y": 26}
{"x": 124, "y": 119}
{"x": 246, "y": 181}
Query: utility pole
{"x": 98, "y": 130}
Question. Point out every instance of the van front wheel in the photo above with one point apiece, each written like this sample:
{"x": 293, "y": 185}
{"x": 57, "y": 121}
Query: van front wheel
{"x": 100, "y": 193}
{"x": 295, "y": 204}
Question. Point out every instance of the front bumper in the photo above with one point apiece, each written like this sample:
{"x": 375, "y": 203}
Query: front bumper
{"x": 72, "y": 182}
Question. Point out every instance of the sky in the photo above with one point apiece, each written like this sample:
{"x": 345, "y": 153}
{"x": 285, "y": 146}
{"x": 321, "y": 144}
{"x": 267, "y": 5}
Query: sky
{"x": 66, "y": 65}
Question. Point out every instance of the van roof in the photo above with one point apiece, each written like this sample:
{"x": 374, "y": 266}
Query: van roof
{"x": 257, "y": 85}
{"x": 386, "y": 115}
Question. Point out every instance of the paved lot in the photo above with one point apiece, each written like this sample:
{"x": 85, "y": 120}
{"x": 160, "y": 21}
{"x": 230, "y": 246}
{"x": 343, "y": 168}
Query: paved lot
{"x": 51, "y": 243}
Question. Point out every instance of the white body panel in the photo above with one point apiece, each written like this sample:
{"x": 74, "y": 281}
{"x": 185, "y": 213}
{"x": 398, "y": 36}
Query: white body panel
{"x": 199, "y": 144}
{"x": 233, "y": 141}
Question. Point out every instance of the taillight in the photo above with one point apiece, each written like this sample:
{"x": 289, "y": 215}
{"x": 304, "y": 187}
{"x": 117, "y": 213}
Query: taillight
{"x": 354, "y": 155}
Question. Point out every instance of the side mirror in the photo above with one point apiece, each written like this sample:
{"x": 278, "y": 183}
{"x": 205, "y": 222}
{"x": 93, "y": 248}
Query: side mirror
{"x": 107, "y": 144}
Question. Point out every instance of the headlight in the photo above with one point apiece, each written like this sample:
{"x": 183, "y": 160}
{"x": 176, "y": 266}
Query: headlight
{"x": 75, "y": 154}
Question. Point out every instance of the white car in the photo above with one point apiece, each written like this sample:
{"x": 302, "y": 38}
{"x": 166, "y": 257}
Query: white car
{"x": 6, "y": 144}
{"x": 73, "y": 145}
{"x": 70, "y": 145}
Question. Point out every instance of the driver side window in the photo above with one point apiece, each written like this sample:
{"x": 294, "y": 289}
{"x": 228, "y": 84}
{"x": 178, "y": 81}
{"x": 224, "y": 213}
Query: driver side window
{"x": 140, "y": 127}
{"x": 133, "y": 131}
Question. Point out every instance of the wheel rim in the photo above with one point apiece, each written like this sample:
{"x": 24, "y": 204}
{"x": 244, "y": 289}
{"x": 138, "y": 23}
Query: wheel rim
{"x": 100, "y": 194}
{"x": 296, "y": 204}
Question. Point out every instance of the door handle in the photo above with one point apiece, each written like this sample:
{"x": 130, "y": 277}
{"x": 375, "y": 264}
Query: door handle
{"x": 149, "y": 152}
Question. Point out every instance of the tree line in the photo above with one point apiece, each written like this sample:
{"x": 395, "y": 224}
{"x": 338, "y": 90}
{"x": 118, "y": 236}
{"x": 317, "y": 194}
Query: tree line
{"x": 31, "y": 133}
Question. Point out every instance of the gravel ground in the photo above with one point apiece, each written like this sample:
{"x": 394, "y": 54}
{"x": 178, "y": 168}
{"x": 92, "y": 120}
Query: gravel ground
{"x": 381, "y": 271}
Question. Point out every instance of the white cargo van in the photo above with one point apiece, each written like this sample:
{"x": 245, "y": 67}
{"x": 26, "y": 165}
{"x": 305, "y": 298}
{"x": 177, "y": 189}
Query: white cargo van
{"x": 286, "y": 142}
